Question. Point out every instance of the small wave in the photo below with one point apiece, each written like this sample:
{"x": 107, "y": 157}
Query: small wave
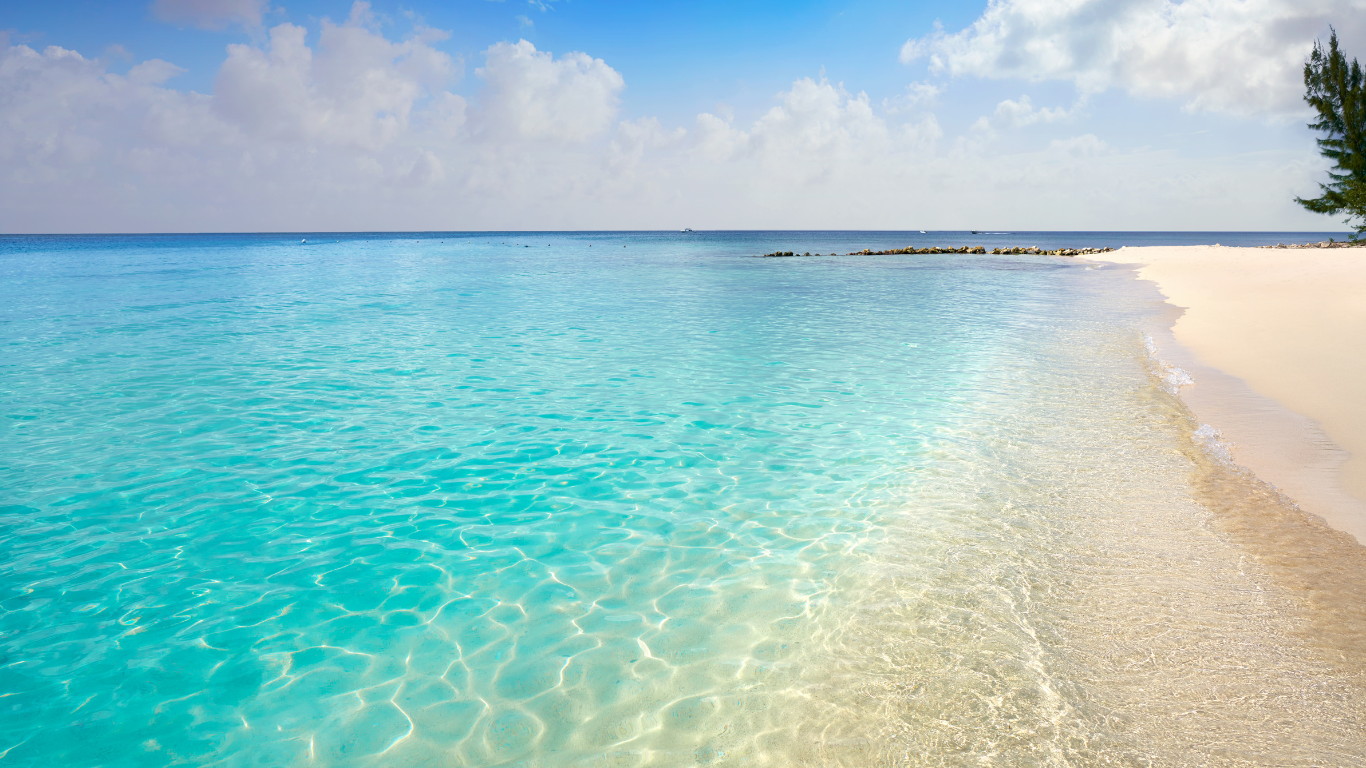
{"x": 1209, "y": 439}
{"x": 1214, "y": 444}
{"x": 1172, "y": 377}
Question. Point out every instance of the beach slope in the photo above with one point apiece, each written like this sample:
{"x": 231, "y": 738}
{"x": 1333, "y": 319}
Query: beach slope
{"x": 1291, "y": 325}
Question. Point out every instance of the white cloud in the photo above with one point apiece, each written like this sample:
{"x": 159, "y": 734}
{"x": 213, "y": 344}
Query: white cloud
{"x": 1080, "y": 146}
{"x": 535, "y": 96}
{"x": 917, "y": 48}
{"x": 427, "y": 170}
{"x": 635, "y": 137}
{"x": 1017, "y": 114}
{"x": 820, "y": 123}
{"x": 818, "y": 131}
{"x": 716, "y": 139}
{"x": 358, "y": 128}
{"x": 210, "y": 14}
{"x": 359, "y": 131}
{"x": 1012, "y": 114}
{"x": 917, "y": 96}
{"x": 74, "y": 138}
{"x": 1237, "y": 56}
{"x": 359, "y": 90}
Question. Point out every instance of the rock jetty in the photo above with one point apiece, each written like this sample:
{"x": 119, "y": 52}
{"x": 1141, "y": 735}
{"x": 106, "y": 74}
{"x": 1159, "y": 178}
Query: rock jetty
{"x": 1031, "y": 251}
{"x": 1328, "y": 244}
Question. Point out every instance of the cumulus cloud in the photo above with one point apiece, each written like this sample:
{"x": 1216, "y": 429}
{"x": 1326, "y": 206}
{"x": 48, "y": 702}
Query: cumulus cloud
{"x": 1236, "y": 56}
{"x": 1017, "y": 114}
{"x": 296, "y": 135}
{"x": 1021, "y": 113}
{"x": 358, "y": 90}
{"x": 818, "y": 129}
{"x": 360, "y": 131}
{"x": 917, "y": 48}
{"x": 635, "y": 137}
{"x": 917, "y": 95}
{"x": 210, "y": 14}
{"x": 536, "y": 96}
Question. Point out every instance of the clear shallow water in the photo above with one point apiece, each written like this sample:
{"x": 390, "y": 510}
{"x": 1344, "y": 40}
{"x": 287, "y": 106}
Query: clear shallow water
{"x": 441, "y": 500}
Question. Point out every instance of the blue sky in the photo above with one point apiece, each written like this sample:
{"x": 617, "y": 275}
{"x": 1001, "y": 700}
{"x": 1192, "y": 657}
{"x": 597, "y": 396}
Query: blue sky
{"x": 245, "y": 115}
{"x": 693, "y": 50}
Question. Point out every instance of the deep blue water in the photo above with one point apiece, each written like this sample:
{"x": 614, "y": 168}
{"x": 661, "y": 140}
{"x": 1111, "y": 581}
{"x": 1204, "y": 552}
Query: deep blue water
{"x": 720, "y": 242}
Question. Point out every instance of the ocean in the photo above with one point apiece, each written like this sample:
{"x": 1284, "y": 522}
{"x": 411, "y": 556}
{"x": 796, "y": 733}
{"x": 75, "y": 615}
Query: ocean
{"x": 634, "y": 499}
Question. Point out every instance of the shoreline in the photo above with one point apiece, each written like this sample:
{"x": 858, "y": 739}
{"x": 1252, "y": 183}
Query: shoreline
{"x": 1270, "y": 338}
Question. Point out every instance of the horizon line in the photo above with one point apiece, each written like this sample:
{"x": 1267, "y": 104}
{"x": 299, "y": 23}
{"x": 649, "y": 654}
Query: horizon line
{"x": 675, "y": 231}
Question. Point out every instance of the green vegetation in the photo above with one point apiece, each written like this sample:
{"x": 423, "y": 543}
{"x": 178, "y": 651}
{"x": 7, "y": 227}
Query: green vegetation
{"x": 1337, "y": 91}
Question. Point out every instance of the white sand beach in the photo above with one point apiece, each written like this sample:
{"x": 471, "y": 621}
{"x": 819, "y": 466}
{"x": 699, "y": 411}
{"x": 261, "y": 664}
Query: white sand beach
{"x": 1276, "y": 342}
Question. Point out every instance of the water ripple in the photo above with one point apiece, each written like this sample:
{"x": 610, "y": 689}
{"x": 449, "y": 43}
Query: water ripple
{"x": 412, "y": 503}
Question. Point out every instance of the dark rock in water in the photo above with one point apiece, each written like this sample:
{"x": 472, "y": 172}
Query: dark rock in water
{"x": 1032, "y": 250}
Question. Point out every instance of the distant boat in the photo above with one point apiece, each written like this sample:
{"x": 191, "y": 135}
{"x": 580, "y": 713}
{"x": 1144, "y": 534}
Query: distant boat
{"x": 975, "y": 232}
{"x": 685, "y": 229}
{"x": 922, "y": 231}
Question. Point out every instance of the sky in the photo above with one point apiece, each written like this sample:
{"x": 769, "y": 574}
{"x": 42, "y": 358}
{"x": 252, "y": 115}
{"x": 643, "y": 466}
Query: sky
{"x": 330, "y": 115}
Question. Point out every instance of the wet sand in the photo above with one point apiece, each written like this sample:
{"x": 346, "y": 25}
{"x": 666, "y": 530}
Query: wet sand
{"x": 1275, "y": 341}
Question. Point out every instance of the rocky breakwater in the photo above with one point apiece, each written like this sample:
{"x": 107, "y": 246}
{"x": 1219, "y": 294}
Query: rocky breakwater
{"x": 1031, "y": 251}
{"x": 1328, "y": 244}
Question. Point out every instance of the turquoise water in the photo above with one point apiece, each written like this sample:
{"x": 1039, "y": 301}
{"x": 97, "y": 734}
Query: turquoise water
{"x": 449, "y": 500}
